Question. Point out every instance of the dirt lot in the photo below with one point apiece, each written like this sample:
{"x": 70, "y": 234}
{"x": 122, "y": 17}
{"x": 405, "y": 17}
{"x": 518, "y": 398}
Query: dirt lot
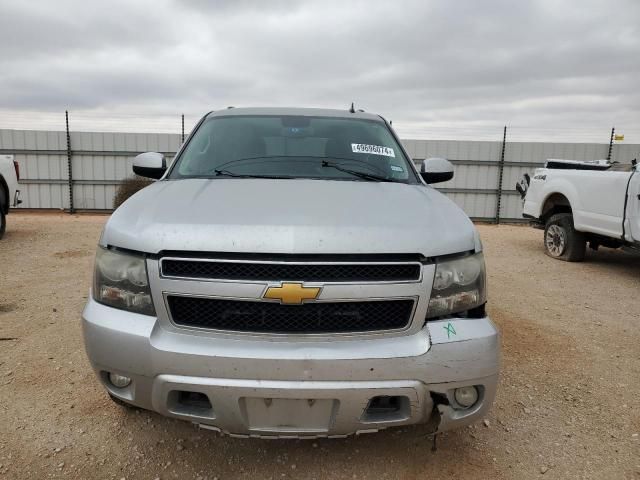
{"x": 568, "y": 403}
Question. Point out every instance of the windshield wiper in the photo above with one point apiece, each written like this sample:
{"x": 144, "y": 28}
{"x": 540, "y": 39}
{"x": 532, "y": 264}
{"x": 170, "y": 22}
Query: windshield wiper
{"x": 367, "y": 176}
{"x": 269, "y": 157}
{"x": 227, "y": 173}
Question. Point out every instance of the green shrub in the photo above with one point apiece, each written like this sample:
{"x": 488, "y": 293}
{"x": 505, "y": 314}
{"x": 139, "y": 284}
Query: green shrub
{"x": 128, "y": 187}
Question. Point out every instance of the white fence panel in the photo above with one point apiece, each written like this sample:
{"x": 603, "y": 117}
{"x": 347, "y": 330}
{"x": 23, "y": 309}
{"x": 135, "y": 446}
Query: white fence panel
{"x": 101, "y": 160}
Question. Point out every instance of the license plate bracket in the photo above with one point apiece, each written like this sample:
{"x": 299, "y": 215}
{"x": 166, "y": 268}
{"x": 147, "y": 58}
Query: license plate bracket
{"x": 289, "y": 414}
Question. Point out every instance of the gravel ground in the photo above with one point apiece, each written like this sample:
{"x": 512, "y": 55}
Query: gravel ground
{"x": 567, "y": 404}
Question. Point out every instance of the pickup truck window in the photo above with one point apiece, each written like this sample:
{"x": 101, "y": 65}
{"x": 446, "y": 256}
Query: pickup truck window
{"x": 294, "y": 147}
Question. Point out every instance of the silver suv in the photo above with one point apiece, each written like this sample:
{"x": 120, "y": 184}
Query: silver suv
{"x": 291, "y": 274}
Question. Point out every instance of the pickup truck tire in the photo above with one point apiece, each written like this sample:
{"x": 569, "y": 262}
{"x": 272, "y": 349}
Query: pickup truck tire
{"x": 3, "y": 221}
{"x": 3, "y": 217}
{"x": 562, "y": 241}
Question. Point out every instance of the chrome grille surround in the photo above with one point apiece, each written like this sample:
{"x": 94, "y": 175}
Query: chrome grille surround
{"x": 417, "y": 291}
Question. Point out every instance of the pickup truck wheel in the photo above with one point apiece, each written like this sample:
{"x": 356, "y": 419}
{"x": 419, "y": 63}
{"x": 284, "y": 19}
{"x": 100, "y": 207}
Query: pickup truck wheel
{"x": 562, "y": 241}
{"x": 3, "y": 217}
{"x": 3, "y": 221}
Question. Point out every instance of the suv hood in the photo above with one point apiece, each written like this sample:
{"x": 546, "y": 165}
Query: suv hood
{"x": 290, "y": 216}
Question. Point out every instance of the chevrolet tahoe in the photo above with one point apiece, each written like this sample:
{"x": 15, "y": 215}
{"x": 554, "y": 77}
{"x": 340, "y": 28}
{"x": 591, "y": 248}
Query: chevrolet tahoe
{"x": 292, "y": 274}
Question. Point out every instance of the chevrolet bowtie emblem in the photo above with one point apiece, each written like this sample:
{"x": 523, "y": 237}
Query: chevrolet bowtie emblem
{"x": 291, "y": 293}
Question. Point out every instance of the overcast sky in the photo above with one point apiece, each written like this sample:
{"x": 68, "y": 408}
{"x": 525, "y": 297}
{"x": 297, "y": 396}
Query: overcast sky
{"x": 430, "y": 66}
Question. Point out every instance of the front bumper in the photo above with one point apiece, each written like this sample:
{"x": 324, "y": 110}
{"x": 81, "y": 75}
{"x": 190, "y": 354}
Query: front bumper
{"x": 267, "y": 387}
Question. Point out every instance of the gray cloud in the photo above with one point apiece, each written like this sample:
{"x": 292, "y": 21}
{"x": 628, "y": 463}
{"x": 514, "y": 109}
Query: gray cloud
{"x": 425, "y": 64}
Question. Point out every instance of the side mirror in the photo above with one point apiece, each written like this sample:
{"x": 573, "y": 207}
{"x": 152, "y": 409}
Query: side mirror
{"x": 436, "y": 170}
{"x": 150, "y": 165}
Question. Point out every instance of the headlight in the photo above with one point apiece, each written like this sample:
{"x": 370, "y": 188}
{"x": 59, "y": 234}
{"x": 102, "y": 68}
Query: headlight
{"x": 458, "y": 285}
{"x": 121, "y": 281}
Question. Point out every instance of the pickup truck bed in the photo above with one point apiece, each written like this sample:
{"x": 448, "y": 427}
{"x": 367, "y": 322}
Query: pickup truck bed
{"x": 580, "y": 203}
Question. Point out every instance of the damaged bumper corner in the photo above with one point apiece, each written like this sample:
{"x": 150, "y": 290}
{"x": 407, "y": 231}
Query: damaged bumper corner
{"x": 450, "y": 416}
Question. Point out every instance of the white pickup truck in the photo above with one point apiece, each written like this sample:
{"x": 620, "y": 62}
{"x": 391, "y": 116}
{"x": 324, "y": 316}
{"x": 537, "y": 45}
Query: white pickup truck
{"x": 9, "y": 193}
{"x": 594, "y": 202}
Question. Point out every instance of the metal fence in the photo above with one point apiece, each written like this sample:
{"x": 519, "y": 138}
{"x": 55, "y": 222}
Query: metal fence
{"x": 486, "y": 172}
{"x": 81, "y": 170}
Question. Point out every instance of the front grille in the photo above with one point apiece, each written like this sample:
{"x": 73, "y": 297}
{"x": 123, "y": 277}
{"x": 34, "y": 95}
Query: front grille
{"x": 268, "y": 317}
{"x": 308, "y": 272}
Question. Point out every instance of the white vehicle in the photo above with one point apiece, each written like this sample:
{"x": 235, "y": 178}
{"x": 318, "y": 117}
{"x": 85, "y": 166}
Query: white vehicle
{"x": 9, "y": 193}
{"x": 576, "y": 203}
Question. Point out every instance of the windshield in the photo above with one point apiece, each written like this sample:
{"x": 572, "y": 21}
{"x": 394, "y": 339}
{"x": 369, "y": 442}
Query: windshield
{"x": 294, "y": 147}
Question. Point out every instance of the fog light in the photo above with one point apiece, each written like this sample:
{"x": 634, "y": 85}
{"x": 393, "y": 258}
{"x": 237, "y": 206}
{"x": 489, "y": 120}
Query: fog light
{"x": 466, "y": 396}
{"x": 119, "y": 381}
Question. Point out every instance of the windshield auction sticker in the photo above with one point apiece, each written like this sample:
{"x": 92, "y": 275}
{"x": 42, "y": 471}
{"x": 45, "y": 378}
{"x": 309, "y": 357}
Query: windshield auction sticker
{"x": 374, "y": 149}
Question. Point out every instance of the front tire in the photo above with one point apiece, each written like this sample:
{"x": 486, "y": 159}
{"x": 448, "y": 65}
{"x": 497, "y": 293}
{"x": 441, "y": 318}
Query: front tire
{"x": 562, "y": 241}
{"x": 3, "y": 221}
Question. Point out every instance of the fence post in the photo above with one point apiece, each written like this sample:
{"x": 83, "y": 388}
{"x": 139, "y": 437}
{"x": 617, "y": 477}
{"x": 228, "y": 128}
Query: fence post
{"x": 69, "y": 164}
{"x": 500, "y": 175}
{"x": 613, "y": 131}
{"x": 183, "y": 128}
